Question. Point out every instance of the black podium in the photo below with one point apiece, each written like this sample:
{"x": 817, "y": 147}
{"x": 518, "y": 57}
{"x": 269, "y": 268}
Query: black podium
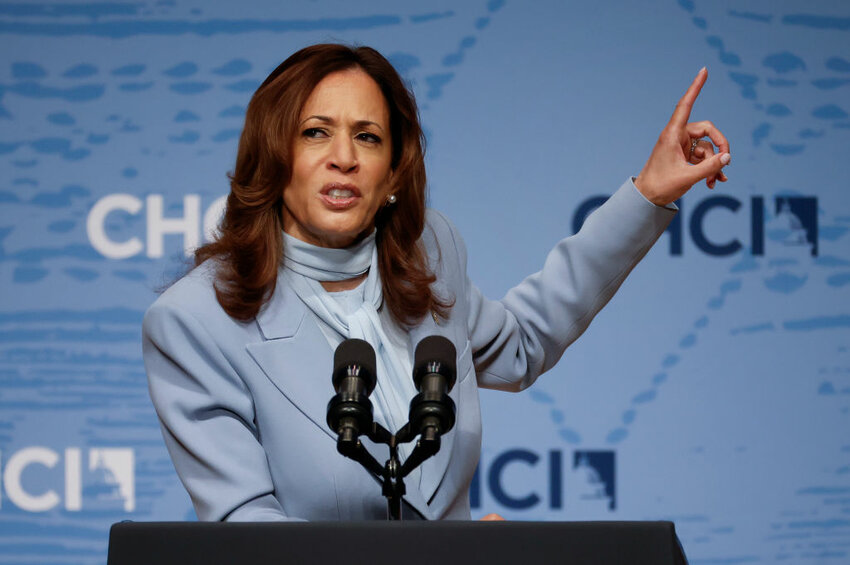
{"x": 395, "y": 543}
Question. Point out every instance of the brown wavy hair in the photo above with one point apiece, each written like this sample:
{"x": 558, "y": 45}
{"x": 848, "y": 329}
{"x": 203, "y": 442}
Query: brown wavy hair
{"x": 249, "y": 247}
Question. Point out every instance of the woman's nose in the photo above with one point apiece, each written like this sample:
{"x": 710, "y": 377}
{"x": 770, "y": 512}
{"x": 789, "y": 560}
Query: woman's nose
{"x": 343, "y": 155}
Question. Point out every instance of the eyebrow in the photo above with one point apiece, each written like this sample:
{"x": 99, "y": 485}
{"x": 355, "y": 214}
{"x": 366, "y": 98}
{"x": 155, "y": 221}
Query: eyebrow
{"x": 331, "y": 121}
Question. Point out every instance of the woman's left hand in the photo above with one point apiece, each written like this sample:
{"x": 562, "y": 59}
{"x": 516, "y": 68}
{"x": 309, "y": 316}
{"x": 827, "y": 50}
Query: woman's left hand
{"x": 681, "y": 157}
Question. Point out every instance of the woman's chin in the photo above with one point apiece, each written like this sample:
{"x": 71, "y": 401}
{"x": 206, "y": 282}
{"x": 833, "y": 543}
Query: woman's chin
{"x": 336, "y": 236}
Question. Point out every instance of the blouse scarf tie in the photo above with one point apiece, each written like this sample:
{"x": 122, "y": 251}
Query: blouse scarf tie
{"x": 305, "y": 267}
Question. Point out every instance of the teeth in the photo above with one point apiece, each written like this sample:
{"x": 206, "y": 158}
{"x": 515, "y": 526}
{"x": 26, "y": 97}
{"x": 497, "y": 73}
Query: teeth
{"x": 340, "y": 193}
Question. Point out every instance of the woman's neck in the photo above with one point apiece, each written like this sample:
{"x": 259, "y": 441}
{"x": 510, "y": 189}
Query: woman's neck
{"x": 335, "y": 269}
{"x": 347, "y": 284}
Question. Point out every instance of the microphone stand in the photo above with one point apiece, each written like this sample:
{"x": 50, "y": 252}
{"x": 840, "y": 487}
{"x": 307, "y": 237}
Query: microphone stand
{"x": 391, "y": 474}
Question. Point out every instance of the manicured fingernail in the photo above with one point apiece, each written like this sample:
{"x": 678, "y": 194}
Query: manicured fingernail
{"x": 725, "y": 158}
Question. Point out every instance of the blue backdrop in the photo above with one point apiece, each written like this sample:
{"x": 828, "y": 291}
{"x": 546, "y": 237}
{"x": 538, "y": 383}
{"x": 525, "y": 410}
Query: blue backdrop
{"x": 715, "y": 388}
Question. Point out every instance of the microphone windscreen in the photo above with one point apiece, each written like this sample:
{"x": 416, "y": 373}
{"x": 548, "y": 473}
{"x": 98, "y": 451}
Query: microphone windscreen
{"x": 355, "y": 353}
{"x": 435, "y": 353}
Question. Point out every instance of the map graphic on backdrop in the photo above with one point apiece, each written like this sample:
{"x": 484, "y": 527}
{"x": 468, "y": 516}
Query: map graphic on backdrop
{"x": 119, "y": 123}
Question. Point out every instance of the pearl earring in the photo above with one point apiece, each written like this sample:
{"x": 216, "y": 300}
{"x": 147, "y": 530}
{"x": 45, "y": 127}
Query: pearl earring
{"x": 391, "y": 199}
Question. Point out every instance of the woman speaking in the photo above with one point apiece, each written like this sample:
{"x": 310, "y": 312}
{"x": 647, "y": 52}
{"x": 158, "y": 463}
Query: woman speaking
{"x": 326, "y": 237}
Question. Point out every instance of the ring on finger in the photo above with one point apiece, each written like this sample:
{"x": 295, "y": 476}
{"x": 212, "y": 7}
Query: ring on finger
{"x": 694, "y": 143}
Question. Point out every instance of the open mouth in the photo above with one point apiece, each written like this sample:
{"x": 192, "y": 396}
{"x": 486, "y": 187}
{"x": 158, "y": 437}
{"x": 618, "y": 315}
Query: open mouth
{"x": 337, "y": 195}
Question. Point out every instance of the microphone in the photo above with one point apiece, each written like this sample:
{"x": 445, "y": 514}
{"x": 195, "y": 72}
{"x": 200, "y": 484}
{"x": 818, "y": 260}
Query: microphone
{"x": 354, "y": 379}
{"x": 432, "y": 411}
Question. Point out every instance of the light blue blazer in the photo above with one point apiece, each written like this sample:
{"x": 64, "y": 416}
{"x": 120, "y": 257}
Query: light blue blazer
{"x": 243, "y": 405}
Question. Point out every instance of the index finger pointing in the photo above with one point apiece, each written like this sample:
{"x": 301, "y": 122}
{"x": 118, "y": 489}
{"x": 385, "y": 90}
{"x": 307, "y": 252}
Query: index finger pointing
{"x": 683, "y": 109}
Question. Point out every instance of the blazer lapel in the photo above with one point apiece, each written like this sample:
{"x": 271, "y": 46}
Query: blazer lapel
{"x": 296, "y": 357}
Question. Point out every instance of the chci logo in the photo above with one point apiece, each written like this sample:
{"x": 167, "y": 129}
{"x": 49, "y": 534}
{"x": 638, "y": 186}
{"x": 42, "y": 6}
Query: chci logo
{"x": 38, "y": 479}
{"x": 520, "y": 479}
{"x": 791, "y": 221}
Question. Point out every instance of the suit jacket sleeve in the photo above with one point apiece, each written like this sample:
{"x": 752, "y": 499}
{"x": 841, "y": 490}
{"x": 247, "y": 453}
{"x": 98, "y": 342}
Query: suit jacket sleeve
{"x": 524, "y": 334}
{"x": 207, "y": 417}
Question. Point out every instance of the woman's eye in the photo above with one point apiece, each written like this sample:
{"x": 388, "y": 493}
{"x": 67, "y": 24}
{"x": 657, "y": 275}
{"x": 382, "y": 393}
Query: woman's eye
{"x": 314, "y": 132}
{"x": 368, "y": 137}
